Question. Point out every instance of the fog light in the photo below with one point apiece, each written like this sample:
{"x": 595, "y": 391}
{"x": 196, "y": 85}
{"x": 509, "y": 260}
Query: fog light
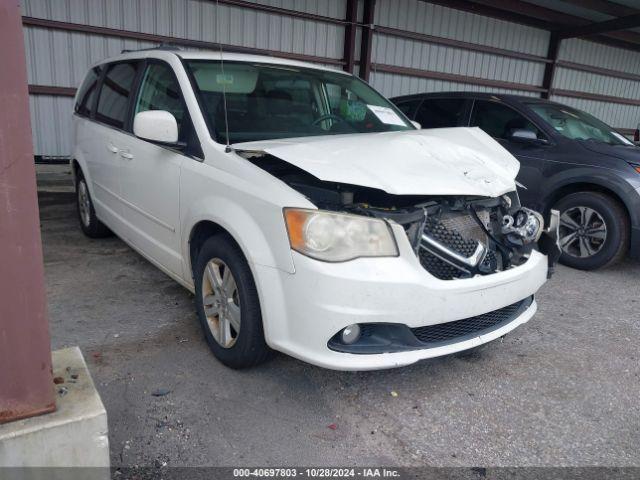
{"x": 351, "y": 334}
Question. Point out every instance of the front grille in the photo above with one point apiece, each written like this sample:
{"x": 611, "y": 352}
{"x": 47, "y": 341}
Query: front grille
{"x": 473, "y": 326}
{"x": 460, "y": 233}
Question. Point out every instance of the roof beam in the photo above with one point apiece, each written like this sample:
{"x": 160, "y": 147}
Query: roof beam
{"x": 525, "y": 13}
{"x": 604, "y": 6}
{"x": 488, "y": 10}
{"x": 544, "y": 14}
{"x": 622, "y": 23}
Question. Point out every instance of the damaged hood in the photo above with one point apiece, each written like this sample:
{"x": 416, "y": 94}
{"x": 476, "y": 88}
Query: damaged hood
{"x": 442, "y": 161}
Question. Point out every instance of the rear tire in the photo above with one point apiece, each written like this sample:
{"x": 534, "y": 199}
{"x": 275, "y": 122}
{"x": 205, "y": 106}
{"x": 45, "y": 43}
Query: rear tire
{"x": 594, "y": 230}
{"x": 227, "y": 304}
{"x": 89, "y": 223}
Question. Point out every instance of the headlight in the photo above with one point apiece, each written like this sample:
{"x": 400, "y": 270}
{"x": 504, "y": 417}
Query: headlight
{"x": 337, "y": 237}
{"x": 525, "y": 226}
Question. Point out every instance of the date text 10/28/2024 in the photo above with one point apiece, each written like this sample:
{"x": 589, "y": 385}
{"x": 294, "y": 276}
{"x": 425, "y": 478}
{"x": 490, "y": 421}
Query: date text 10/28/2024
{"x": 316, "y": 472}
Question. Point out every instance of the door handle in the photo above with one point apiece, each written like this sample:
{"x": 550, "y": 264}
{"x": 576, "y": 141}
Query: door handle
{"x": 112, "y": 148}
{"x": 127, "y": 155}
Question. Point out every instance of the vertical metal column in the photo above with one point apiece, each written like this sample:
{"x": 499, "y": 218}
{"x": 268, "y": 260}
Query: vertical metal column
{"x": 367, "y": 38}
{"x": 550, "y": 68}
{"x": 26, "y": 385}
{"x": 351, "y": 18}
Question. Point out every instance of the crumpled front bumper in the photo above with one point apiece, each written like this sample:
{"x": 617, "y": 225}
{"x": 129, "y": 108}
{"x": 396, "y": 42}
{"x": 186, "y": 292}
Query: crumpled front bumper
{"x": 304, "y": 310}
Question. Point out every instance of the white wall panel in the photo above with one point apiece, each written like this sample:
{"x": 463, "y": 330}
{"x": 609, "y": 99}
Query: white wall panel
{"x": 416, "y": 54}
{"x": 59, "y": 58}
{"x": 598, "y": 55}
{"x": 567, "y": 79}
{"x": 603, "y": 56}
{"x": 427, "y": 18}
{"x": 206, "y": 21}
{"x": 435, "y": 20}
{"x": 392, "y": 85}
{"x": 51, "y": 124}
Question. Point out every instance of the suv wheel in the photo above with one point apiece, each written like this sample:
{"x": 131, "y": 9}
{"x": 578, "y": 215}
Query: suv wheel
{"x": 227, "y": 304}
{"x": 91, "y": 226}
{"x": 594, "y": 230}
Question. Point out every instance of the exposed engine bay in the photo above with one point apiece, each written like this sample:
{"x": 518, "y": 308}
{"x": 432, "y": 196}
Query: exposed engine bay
{"x": 453, "y": 236}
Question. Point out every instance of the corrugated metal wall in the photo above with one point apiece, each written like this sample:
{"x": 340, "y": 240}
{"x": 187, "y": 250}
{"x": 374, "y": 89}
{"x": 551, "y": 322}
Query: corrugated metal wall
{"x": 422, "y": 17}
{"x": 589, "y": 53}
{"x": 60, "y": 58}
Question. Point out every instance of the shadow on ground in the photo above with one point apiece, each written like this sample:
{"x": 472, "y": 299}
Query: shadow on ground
{"x": 561, "y": 390}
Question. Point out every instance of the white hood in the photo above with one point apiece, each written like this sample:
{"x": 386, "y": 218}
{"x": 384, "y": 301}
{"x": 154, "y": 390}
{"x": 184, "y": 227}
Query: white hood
{"x": 442, "y": 161}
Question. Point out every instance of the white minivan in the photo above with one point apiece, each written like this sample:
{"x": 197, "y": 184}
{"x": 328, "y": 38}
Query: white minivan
{"x": 304, "y": 210}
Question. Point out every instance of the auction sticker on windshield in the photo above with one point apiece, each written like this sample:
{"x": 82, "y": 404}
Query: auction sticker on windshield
{"x": 387, "y": 115}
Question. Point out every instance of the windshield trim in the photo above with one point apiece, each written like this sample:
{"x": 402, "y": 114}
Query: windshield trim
{"x": 210, "y": 128}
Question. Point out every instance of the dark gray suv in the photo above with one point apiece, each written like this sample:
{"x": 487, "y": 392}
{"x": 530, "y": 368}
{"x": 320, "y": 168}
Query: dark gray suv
{"x": 570, "y": 161}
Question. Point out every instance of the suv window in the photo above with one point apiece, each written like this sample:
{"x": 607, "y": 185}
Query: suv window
{"x": 499, "y": 120}
{"x": 440, "y": 112}
{"x": 113, "y": 101}
{"x": 87, "y": 92}
{"x": 160, "y": 91}
{"x": 409, "y": 107}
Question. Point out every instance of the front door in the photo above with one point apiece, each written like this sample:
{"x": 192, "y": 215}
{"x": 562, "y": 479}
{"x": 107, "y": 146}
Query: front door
{"x": 150, "y": 180}
{"x": 500, "y": 121}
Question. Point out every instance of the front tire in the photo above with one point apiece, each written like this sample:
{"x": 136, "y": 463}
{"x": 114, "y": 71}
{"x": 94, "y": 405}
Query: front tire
{"x": 594, "y": 230}
{"x": 228, "y": 305}
{"x": 89, "y": 223}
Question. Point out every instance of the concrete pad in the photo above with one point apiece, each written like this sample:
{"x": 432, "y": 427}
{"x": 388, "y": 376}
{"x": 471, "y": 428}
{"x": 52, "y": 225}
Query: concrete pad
{"x": 74, "y": 435}
{"x": 54, "y": 178}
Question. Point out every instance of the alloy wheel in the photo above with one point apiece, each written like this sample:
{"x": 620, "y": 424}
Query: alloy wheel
{"x": 221, "y": 302}
{"x": 583, "y": 232}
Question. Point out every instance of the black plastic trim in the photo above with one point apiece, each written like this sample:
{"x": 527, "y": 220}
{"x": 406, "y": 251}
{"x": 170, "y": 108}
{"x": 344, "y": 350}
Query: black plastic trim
{"x": 379, "y": 338}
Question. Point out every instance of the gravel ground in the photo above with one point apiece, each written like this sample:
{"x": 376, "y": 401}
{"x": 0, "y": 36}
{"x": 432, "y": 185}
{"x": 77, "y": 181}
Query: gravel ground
{"x": 561, "y": 390}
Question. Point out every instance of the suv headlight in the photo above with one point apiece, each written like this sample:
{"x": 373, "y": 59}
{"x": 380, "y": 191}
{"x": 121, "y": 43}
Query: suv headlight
{"x": 338, "y": 237}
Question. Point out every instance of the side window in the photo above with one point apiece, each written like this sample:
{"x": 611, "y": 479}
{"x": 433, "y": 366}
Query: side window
{"x": 409, "y": 107}
{"x": 440, "y": 112}
{"x": 160, "y": 91}
{"x": 87, "y": 92}
{"x": 113, "y": 101}
{"x": 499, "y": 120}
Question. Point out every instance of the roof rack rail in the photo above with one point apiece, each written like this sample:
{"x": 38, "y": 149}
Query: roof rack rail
{"x": 162, "y": 46}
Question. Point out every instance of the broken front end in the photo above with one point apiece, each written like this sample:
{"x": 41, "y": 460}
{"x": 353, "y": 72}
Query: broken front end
{"x": 454, "y": 237}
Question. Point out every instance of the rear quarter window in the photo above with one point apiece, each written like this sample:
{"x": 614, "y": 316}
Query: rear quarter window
{"x": 85, "y": 99}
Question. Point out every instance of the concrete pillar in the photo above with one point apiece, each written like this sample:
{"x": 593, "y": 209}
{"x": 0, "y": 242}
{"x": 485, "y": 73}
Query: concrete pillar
{"x": 26, "y": 383}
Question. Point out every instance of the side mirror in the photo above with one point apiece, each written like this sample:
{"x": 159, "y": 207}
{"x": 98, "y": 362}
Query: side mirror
{"x": 416, "y": 124}
{"x": 522, "y": 135}
{"x": 157, "y": 126}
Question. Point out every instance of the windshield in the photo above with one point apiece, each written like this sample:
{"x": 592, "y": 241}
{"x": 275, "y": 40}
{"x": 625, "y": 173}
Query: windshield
{"x": 271, "y": 101}
{"x": 578, "y": 125}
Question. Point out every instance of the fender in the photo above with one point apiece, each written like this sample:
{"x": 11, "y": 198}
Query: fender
{"x": 243, "y": 227}
{"x": 601, "y": 177}
{"x": 79, "y": 158}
